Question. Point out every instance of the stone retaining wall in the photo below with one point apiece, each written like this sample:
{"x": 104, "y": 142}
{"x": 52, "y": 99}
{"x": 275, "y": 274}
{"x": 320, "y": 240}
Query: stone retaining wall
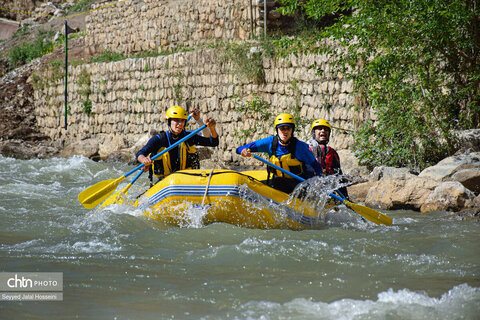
{"x": 152, "y": 25}
{"x": 122, "y": 101}
{"x": 129, "y": 97}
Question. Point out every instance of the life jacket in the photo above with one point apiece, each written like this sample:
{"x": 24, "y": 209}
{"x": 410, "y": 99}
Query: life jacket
{"x": 187, "y": 156}
{"x": 288, "y": 161}
{"x": 327, "y": 157}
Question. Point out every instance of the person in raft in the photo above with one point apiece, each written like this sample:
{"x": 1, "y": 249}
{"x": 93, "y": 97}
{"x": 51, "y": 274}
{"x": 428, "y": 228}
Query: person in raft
{"x": 285, "y": 151}
{"x": 183, "y": 156}
{"x": 325, "y": 155}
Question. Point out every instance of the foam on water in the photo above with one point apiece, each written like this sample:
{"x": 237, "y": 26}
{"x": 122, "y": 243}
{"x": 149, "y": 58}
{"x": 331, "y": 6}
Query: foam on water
{"x": 461, "y": 302}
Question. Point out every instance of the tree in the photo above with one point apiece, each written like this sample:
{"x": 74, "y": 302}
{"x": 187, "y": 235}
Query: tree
{"x": 416, "y": 63}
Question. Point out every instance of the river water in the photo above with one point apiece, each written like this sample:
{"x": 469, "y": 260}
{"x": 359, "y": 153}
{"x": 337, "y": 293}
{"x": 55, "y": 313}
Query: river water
{"x": 118, "y": 264}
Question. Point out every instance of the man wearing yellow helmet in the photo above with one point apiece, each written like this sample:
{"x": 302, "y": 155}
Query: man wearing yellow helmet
{"x": 325, "y": 155}
{"x": 285, "y": 151}
{"x": 181, "y": 157}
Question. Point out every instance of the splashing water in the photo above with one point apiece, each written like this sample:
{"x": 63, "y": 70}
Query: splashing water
{"x": 118, "y": 263}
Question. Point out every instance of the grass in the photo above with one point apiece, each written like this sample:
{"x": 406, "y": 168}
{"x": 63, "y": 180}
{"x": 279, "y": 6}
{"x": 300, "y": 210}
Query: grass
{"x": 26, "y": 52}
{"x": 80, "y": 6}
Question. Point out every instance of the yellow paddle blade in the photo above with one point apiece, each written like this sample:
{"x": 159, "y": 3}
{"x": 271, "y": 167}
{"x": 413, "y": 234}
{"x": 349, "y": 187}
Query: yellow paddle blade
{"x": 369, "y": 213}
{"x": 117, "y": 197}
{"x": 94, "y": 195}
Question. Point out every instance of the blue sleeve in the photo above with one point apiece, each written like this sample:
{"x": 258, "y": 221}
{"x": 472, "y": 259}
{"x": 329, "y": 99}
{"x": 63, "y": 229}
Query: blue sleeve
{"x": 152, "y": 146}
{"x": 262, "y": 145}
{"x": 304, "y": 154}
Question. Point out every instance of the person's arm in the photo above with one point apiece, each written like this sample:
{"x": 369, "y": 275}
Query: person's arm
{"x": 196, "y": 116}
{"x": 152, "y": 146}
{"x": 212, "y": 141}
{"x": 198, "y": 140}
{"x": 211, "y": 124}
{"x": 262, "y": 145}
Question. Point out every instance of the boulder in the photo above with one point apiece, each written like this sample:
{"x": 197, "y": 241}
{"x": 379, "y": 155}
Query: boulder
{"x": 140, "y": 143}
{"x": 88, "y": 148}
{"x": 111, "y": 145}
{"x": 121, "y": 156}
{"x": 394, "y": 173}
{"x": 448, "y": 196}
{"x": 358, "y": 192}
{"x": 445, "y": 169}
{"x": 395, "y": 188}
{"x": 20, "y": 149}
{"x": 470, "y": 178}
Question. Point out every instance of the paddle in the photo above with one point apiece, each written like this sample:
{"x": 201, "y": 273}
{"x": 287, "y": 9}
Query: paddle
{"x": 366, "y": 212}
{"x": 94, "y": 195}
{"x": 114, "y": 197}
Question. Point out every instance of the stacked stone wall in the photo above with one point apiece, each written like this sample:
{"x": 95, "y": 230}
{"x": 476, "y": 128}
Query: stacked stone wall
{"x": 128, "y": 98}
{"x": 153, "y": 25}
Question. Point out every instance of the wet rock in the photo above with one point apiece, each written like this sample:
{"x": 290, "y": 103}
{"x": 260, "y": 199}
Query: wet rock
{"x": 21, "y": 149}
{"x": 448, "y": 196}
{"x": 16, "y": 149}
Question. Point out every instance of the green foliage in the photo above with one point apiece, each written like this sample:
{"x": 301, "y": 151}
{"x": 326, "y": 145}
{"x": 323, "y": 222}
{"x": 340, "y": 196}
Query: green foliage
{"x": 314, "y": 9}
{"x": 80, "y": 6}
{"x": 26, "y": 52}
{"x": 23, "y": 30}
{"x": 84, "y": 90}
{"x": 87, "y": 106}
{"x": 246, "y": 59}
{"x": 61, "y": 40}
{"x": 108, "y": 56}
{"x": 177, "y": 87}
{"x": 256, "y": 108}
{"x": 417, "y": 64}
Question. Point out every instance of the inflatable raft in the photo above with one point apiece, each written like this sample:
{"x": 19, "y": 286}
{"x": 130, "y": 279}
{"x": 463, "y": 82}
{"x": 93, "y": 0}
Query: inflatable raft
{"x": 238, "y": 198}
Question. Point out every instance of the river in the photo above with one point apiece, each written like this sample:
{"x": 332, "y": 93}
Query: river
{"x": 119, "y": 264}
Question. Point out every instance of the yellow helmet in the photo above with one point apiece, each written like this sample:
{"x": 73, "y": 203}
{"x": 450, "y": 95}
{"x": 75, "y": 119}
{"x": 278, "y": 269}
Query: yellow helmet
{"x": 176, "y": 112}
{"x": 284, "y": 118}
{"x": 321, "y": 122}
